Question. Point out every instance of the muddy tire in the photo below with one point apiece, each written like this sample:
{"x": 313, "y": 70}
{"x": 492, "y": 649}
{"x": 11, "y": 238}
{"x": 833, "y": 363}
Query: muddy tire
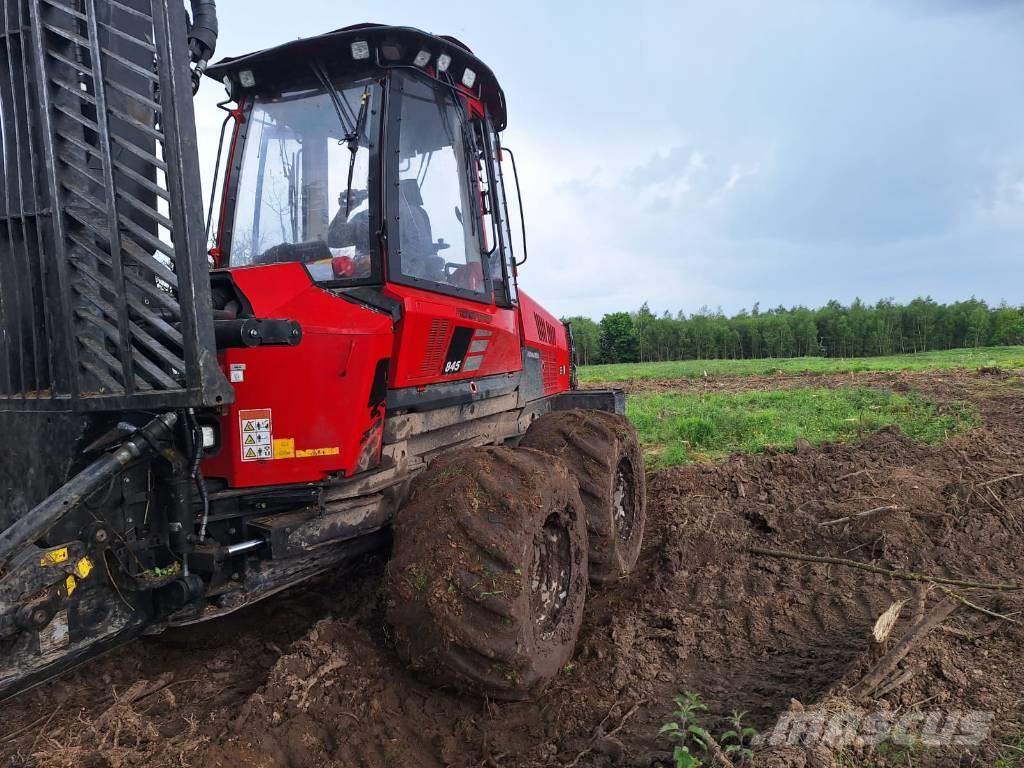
{"x": 603, "y": 452}
{"x": 488, "y": 575}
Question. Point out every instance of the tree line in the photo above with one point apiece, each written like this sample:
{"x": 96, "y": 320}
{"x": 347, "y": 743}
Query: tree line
{"x": 834, "y": 330}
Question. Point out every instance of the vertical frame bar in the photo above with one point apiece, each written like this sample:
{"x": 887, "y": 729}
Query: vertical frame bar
{"x": 182, "y": 158}
{"x": 116, "y": 264}
{"x": 59, "y": 242}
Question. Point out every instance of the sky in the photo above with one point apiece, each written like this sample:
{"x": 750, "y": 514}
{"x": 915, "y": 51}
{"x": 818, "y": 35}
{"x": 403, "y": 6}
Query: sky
{"x": 694, "y": 154}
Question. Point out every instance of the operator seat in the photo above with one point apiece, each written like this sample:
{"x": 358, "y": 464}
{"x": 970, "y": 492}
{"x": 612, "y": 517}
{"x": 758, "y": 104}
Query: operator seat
{"x": 419, "y": 253}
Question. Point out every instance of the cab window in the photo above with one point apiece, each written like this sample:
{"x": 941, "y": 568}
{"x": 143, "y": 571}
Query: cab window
{"x": 438, "y": 213}
{"x": 303, "y": 192}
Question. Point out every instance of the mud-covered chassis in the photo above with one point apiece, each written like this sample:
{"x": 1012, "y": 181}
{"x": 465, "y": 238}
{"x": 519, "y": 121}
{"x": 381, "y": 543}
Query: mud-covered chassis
{"x": 109, "y": 583}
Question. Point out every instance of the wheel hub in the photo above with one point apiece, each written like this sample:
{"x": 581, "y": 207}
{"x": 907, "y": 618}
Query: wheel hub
{"x": 550, "y": 573}
{"x": 624, "y": 500}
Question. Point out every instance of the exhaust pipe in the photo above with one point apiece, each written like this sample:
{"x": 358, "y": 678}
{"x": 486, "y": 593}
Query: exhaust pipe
{"x": 41, "y": 518}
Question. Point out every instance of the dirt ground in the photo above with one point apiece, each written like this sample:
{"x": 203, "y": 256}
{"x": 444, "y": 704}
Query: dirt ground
{"x": 309, "y": 678}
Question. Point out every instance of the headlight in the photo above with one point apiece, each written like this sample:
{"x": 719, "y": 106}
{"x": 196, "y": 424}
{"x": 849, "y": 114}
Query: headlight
{"x": 209, "y": 437}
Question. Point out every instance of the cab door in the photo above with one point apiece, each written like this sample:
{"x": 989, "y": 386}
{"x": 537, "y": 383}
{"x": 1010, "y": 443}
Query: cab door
{"x": 445, "y": 250}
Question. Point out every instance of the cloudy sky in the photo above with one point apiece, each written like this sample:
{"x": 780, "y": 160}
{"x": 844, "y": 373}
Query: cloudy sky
{"x": 721, "y": 154}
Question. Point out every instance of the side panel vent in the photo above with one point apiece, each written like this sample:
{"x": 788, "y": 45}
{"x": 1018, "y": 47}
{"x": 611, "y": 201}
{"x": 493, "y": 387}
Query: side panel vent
{"x": 549, "y": 370}
{"x": 545, "y": 330}
{"x": 104, "y": 287}
{"x": 436, "y": 343}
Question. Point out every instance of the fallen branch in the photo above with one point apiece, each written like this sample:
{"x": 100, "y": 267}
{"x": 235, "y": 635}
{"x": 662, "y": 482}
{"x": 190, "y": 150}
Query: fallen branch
{"x": 44, "y": 726}
{"x": 138, "y": 690}
{"x": 25, "y": 729}
{"x": 974, "y": 606}
{"x": 848, "y": 475}
{"x": 717, "y": 752}
{"x": 965, "y": 634}
{"x": 999, "y": 480}
{"x": 904, "y": 575}
{"x": 887, "y": 664}
{"x": 859, "y": 515}
{"x": 921, "y": 602}
{"x": 612, "y": 732}
{"x": 170, "y": 684}
{"x": 895, "y": 683}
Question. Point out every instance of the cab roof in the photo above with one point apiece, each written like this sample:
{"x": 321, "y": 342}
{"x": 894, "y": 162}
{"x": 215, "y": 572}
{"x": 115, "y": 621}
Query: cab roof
{"x": 385, "y": 47}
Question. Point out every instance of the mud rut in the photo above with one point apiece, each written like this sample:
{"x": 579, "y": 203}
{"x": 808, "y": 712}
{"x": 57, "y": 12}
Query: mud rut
{"x": 309, "y": 678}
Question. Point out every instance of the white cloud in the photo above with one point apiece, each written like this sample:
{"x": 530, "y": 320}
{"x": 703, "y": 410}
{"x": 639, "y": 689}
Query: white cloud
{"x": 1001, "y": 203}
{"x": 737, "y": 173}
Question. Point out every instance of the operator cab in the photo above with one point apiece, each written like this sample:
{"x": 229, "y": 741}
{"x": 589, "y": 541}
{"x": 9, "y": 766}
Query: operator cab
{"x": 369, "y": 155}
{"x": 363, "y": 212}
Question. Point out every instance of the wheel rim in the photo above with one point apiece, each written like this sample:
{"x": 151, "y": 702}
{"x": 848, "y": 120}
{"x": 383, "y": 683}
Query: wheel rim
{"x": 624, "y": 500}
{"x": 550, "y": 573}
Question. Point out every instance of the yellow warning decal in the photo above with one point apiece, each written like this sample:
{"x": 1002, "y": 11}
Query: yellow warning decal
{"x": 334, "y": 451}
{"x": 54, "y": 557}
{"x": 83, "y": 568}
{"x": 70, "y": 584}
{"x": 284, "y": 448}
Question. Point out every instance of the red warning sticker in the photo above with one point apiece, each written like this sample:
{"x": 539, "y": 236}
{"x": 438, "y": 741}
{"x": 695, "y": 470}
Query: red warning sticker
{"x": 257, "y": 434}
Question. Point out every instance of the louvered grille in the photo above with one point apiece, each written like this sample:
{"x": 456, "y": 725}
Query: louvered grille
{"x": 545, "y": 330}
{"x": 104, "y": 294}
{"x": 435, "y": 346}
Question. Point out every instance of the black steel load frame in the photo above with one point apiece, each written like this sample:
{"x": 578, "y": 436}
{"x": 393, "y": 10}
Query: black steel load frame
{"x": 104, "y": 290}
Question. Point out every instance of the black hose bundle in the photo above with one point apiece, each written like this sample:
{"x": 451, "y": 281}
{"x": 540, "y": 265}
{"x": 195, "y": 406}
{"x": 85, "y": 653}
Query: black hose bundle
{"x": 202, "y": 37}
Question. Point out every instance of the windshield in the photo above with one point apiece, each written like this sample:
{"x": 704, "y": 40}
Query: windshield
{"x": 294, "y": 201}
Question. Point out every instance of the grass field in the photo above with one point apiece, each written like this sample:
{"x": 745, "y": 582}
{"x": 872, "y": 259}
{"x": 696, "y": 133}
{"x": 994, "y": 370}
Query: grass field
{"x": 1003, "y": 357}
{"x": 678, "y": 428}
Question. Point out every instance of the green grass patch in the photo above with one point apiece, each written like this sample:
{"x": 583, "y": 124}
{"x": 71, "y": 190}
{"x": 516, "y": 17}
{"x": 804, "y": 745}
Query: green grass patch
{"x": 679, "y": 427}
{"x": 1003, "y": 357}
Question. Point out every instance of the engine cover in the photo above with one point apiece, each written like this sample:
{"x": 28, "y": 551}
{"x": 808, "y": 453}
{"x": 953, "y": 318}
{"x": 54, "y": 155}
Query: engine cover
{"x": 304, "y": 412}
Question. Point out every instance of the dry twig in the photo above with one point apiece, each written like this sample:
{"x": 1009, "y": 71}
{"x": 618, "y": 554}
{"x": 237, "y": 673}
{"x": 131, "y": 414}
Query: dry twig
{"x": 859, "y": 515}
{"x": 612, "y": 732}
{"x": 975, "y": 607}
{"x": 44, "y": 726}
{"x": 717, "y": 752}
{"x": 24, "y": 729}
{"x": 848, "y": 475}
{"x": 895, "y": 682}
{"x": 904, "y": 575}
{"x": 999, "y": 480}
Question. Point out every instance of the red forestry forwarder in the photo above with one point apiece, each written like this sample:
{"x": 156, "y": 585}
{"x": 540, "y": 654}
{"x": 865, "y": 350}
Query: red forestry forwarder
{"x": 180, "y": 441}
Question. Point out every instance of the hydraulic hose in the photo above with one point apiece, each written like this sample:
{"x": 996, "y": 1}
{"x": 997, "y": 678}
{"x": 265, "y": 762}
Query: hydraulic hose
{"x": 41, "y": 518}
{"x": 202, "y": 37}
